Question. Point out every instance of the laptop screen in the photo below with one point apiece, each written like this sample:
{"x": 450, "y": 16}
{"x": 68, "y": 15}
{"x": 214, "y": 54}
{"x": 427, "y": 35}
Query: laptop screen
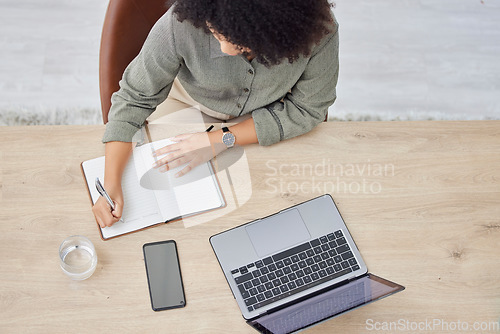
{"x": 325, "y": 305}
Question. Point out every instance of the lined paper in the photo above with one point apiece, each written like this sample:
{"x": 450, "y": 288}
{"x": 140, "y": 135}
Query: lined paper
{"x": 152, "y": 197}
{"x": 140, "y": 205}
{"x": 192, "y": 193}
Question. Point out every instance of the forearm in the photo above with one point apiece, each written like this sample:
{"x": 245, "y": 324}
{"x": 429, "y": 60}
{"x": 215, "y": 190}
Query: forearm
{"x": 307, "y": 103}
{"x": 117, "y": 155}
{"x": 146, "y": 83}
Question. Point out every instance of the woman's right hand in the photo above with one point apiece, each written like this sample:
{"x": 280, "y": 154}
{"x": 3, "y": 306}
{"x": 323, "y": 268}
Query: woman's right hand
{"x": 117, "y": 156}
{"x": 104, "y": 216}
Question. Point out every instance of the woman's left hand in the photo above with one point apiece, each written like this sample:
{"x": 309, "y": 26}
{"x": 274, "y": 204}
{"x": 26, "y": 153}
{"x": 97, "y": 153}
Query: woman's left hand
{"x": 191, "y": 148}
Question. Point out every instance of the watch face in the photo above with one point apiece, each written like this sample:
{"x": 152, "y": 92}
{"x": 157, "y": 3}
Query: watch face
{"x": 228, "y": 139}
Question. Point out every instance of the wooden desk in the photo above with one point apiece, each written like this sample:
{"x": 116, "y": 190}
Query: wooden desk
{"x": 427, "y": 218}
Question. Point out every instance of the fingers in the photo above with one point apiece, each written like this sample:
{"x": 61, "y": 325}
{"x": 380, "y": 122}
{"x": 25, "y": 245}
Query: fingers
{"x": 176, "y": 155}
{"x": 192, "y": 164}
{"x": 117, "y": 212}
{"x": 103, "y": 214}
{"x": 196, "y": 141}
{"x": 169, "y": 162}
{"x": 173, "y": 147}
{"x": 175, "y": 163}
{"x": 191, "y": 149}
{"x": 99, "y": 221}
{"x": 167, "y": 149}
{"x": 184, "y": 170}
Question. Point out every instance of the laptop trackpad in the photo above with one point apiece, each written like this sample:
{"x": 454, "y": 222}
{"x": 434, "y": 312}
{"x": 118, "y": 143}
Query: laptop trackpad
{"x": 278, "y": 232}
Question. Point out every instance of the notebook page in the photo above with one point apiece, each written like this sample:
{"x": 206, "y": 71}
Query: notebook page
{"x": 195, "y": 192}
{"x": 200, "y": 195}
{"x": 140, "y": 208}
{"x": 151, "y": 178}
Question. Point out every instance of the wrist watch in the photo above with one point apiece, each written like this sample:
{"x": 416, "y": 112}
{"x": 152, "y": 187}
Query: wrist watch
{"x": 227, "y": 137}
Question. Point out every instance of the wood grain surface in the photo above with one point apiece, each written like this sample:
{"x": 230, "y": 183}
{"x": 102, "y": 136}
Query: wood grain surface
{"x": 421, "y": 199}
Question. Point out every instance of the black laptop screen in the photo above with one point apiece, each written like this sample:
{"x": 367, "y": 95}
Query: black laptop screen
{"x": 325, "y": 305}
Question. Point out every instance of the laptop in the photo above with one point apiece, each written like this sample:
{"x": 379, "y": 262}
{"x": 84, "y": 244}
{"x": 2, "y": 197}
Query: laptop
{"x": 296, "y": 268}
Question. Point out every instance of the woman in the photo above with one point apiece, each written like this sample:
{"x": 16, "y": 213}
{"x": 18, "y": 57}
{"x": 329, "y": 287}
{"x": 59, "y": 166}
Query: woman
{"x": 274, "y": 60}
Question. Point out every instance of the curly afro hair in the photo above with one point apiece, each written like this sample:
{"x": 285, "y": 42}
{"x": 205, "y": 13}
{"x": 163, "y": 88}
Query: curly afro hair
{"x": 273, "y": 29}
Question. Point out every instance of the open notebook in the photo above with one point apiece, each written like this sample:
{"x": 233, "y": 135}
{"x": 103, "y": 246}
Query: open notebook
{"x": 152, "y": 197}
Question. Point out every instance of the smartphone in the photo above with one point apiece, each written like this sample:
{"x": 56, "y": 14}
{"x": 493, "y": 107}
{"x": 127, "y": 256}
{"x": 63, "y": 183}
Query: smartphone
{"x": 164, "y": 275}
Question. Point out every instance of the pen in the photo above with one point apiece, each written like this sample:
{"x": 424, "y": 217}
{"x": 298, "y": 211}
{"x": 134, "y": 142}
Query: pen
{"x": 103, "y": 193}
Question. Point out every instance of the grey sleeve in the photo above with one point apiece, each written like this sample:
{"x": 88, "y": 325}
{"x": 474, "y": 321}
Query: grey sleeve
{"x": 146, "y": 82}
{"x": 306, "y": 105}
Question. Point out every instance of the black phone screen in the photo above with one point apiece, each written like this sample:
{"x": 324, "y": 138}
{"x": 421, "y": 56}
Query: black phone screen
{"x": 164, "y": 275}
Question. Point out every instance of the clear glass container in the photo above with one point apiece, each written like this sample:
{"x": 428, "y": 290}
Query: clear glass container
{"x": 78, "y": 258}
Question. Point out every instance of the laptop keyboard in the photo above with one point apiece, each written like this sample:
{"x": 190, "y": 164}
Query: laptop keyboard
{"x": 281, "y": 275}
